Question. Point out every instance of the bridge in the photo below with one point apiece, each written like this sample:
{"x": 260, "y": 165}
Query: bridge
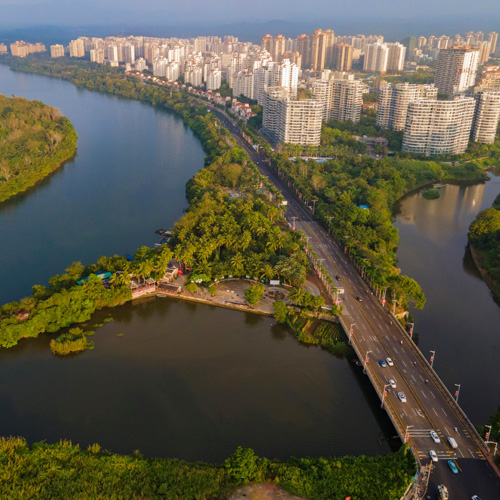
{"x": 376, "y": 335}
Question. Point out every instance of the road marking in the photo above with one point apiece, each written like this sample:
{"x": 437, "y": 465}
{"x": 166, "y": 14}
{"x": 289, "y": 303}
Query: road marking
{"x": 460, "y": 451}
{"x": 444, "y": 412}
{"x": 470, "y": 451}
{"x": 434, "y": 409}
{"x": 432, "y": 394}
{"x": 423, "y": 394}
{"x": 414, "y": 379}
{"x": 402, "y": 361}
{"x": 447, "y": 431}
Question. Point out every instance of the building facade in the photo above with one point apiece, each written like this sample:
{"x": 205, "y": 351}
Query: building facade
{"x": 376, "y": 58}
{"x": 56, "y": 51}
{"x": 456, "y": 69}
{"x": 439, "y": 127}
{"x": 486, "y": 116}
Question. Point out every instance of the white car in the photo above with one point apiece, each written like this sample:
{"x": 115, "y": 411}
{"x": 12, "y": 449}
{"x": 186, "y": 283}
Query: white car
{"x": 389, "y": 361}
{"x": 433, "y": 455}
{"x": 392, "y": 383}
{"x": 402, "y": 397}
{"x": 435, "y": 437}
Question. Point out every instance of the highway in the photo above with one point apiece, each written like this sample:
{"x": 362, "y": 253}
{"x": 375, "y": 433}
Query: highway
{"x": 376, "y": 335}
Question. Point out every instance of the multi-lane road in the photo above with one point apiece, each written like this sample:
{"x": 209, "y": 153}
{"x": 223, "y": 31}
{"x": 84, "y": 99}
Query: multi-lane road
{"x": 427, "y": 405}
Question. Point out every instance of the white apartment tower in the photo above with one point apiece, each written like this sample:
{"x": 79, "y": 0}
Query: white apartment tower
{"x": 376, "y": 57}
{"x": 456, "y": 69}
{"x": 486, "y": 117}
{"x": 396, "y": 57}
{"x": 284, "y": 74}
{"x": 214, "y": 79}
{"x": 393, "y": 103}
{"x": 97, "y": 56}
{"x": 77, "y": 48}
{"x": 342, "y": 99}
{"x": 56, "y": 51}
{"x": 439, "y": 127}
{"x": 290, "y": 121}
{"x": 243, "y": 84}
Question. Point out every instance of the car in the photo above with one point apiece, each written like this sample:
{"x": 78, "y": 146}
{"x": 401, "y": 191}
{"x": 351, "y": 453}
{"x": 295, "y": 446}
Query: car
{"x": 402, "y": 397}
{"x": 433, "y": 455}
{"x": 358, "y": 299}
{"x": 392, "y": 383}
{"x": 435, "y": 437}
{"x": 382, "y": 363}
{"x": 453, "y": 443}
{"x": 337, "y": 277}
{"x": 442, "y": 492}
{"x": 390, "y": 362}
{"x": 475, "y": 497}
{"x": 452, "y": 466}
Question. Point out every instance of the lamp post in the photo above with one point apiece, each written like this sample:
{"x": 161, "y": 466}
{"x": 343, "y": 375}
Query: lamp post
{"x": 351, "y": 332}
{"x": 432, "y": 358}
{"x": 366, "y": 360}
{"x": 407, "y": 436}
{"x": 457, "y": 392}
{"x": 384, "y": 394}
{"x": 488, "y": 434}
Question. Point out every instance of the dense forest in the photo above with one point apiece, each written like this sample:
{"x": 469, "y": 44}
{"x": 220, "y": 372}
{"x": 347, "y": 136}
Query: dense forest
{"x": 484, "y": 237}
{"x": 63, "y": 471}
{"x": 34, "y": 140}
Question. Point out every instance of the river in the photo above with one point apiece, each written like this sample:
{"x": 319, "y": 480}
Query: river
{"x": 461, "y": 319}
{"x": 166, "y": 377}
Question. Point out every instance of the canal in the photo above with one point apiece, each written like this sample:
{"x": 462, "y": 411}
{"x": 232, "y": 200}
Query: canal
{"x": 461, "y": 320}
{"x": 167, "y": 378}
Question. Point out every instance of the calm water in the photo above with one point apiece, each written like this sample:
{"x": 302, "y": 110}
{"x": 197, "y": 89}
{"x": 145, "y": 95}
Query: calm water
{"x": 127, "y": 180}
{"x": 461, "y": 320}
{"x": 183, "y": 381}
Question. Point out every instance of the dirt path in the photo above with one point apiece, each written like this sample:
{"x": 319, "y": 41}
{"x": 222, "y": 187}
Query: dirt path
{"x": 265, "y": 491}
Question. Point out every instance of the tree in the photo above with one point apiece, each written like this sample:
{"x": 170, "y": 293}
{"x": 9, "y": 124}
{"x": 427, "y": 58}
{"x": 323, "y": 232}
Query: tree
{"x": 407, "y": 290}
{"x": 254, "y": 293}
{"x": 280, "y": 311}
{"x": 75, "y": 270}
{"x": 242, "y": 465}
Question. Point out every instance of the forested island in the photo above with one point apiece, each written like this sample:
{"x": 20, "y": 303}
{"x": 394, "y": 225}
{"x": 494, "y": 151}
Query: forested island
{"x": 62, "y": 470}
{"x": 484, "y": 240}
{"x": 35, "y": 139}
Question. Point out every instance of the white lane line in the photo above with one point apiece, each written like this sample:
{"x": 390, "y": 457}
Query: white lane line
{"x": 434, "y": 409}
{"x": 460, "y": 451}
{"x": 423, "y": 394}
{"x": 414, "y": 379}
{"x": 432, "y": 394}
{"x": 444, "y": 411}
{"x": 423, "y": 380}
{"x": 402, "y": 361}
{"x": 447, "y": 431}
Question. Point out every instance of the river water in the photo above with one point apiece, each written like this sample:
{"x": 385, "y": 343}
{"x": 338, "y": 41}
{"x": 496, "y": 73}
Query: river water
{"x": 168, "y": 378}
{"x": 461, "y": 320}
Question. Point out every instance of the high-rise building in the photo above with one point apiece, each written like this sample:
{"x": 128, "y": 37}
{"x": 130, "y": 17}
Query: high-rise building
{"x": 214, "y": 79}
{"x": 484, "y": 52}
{"x": 490, "y": 79}
{"x": 394, "y": 100}
{"x": 193, "y": 75}
{"x": 439, "y": 127}
{"x": 284, "y": 74}
{"x": 486, "y": 116}
{"x": 77, "y": 48}
{"x": 267, "y": 43}
{"x": 56, "y": 51}
{"x": 321, "y": 49}
{"x": 303, "y": 47}
{"x": 243, "y": 84}
{"x": 291, "y": 121}
{"x": 342, "y": 99}
{"x": 493, "y": 39}
{"x": 376, "y": 57}
{"x": 396, "y": 57}
{"x": 140, "y": 64}
{"x": 342, "y": 57}
{"x": 456, "y": 69}
{"x": 279, "y": 48}
{"x": 22, "y": 49}
{"x": 3, "y": 49}
{"x": 97, "y": 56}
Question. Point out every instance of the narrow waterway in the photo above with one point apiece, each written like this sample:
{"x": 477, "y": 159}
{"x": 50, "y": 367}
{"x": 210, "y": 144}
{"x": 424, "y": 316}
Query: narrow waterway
{"x": 461, "y": 320}
{"x": 184, "y": 380}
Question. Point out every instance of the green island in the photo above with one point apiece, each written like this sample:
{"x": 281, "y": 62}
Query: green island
{"x": 234, "y": 225}
{"x": 34, "y": 141}
{"x": 72, "y": 342}
{"x": 62, "y": 470}
{"x": 484, "y": 242}
{"x": 431, "y": 194}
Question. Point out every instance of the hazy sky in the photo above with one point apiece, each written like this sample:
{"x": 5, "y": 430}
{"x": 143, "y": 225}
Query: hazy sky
{"x": 168, "y": 12}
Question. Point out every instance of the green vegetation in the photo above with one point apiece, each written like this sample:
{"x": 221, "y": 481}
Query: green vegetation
{"x": 73, "y": 341}
{"x": 34, "y": 140}
{"x": 254, "y": 293}
{"x": 494, "y": 422}
{"x": 431, "y": 194}
{"x": 421, "y": 76}
{"x": 63, "y": 471}
{"x": 484, "y": 238}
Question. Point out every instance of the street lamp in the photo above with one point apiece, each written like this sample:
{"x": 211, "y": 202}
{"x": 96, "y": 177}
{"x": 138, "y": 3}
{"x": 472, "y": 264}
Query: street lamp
{"x": 407, "y": 436}
{"x": 432, "y": 358}
{"x": 488, "y": 434}
{"x": 351, "y": 332}
{"x": 457, "y": 392}
{"x": 384, "y": 394}
{"x": 366, "y": 360}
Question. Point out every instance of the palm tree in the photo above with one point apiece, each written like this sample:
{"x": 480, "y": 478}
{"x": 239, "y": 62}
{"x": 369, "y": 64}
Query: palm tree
{"x": 297, "y": 295}
{"x": 238, "y": 264}
{"x": 267, "y": 272}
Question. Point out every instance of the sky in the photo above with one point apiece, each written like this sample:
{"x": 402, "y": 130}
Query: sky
{"x": 20, "y": 13}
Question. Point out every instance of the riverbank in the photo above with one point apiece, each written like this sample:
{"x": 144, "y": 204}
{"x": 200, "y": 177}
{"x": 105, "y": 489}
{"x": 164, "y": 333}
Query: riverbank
{"x": 38, "y": 142}
{"x": 478, "y": 261}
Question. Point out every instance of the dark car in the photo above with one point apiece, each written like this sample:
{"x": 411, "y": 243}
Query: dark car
{"x": 358, "y": 299}
{"x": 337, "y": 277}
